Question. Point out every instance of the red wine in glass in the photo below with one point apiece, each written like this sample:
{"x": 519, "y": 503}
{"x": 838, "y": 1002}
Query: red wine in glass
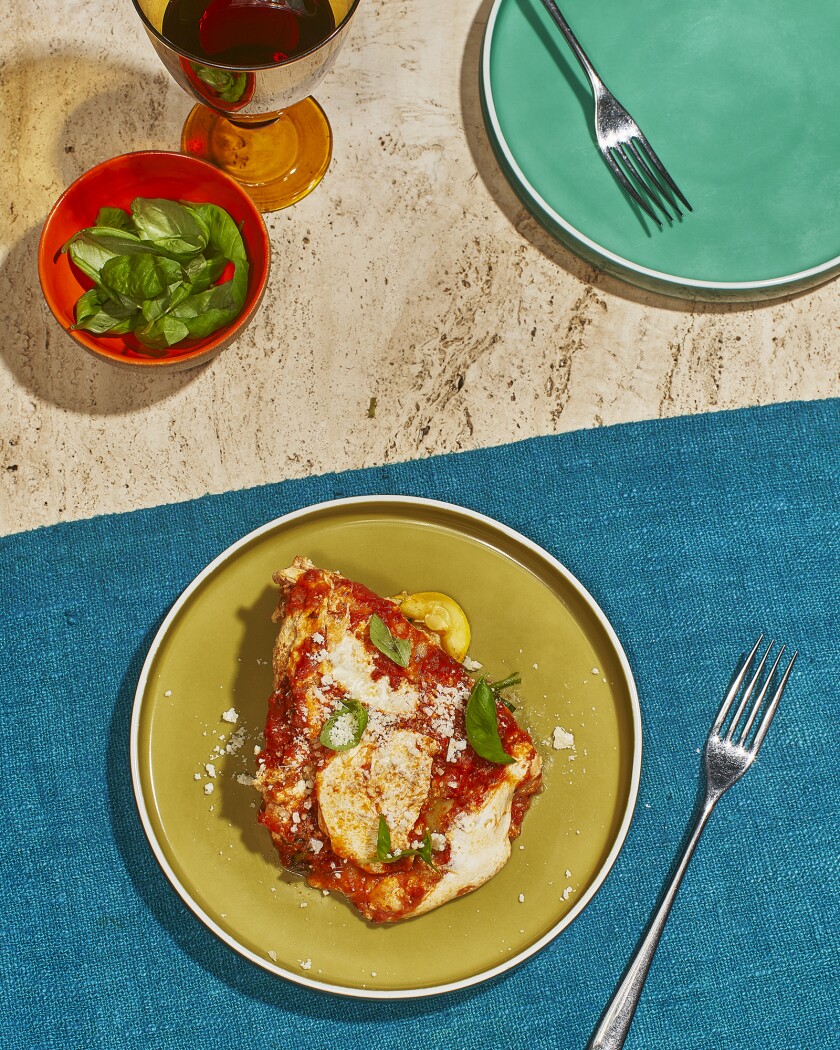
{"x": 248, "y": 33}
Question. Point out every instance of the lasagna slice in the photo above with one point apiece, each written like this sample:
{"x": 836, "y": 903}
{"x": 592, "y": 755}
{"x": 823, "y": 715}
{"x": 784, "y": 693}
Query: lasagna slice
{"x": 370, "y": 786}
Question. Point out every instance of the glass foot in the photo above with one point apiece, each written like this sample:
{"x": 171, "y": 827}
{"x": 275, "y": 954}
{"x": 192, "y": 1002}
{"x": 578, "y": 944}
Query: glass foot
{"x": 276, "y": 164}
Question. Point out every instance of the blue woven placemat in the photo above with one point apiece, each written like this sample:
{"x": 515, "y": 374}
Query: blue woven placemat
{"x": 692, "y": 534}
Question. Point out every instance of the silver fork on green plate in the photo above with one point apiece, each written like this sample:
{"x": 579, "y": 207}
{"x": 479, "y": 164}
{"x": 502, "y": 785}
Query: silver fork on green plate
{"x": 628, "y": 154}
{"x": 728, "y": 754}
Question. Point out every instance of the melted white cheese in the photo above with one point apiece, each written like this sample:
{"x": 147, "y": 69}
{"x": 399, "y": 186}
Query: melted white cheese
{"x": 352, "y": 670}
{"x": 478, "y": 840}
{"x": 400, "y": 777}
{"x": 390, "y": 778}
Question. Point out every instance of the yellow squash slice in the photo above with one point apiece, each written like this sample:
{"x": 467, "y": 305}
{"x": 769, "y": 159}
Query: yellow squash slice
{"x": 440, "y": 614}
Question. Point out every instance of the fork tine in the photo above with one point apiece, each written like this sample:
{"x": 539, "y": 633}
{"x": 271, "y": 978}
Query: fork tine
{"x": 736, "y": 685}
{"x": 632, "y": 171}
{"x": 622, "y": 178}
{"x": 660, "y": 167}
{"x": 748, "y": 692}
{"x": 647, "y": 170}
{"x": 760, "y": 699}
{"x": 771, "y": 710}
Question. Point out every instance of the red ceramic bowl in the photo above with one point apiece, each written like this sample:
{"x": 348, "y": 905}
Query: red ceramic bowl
{"x": 116, "y": 183}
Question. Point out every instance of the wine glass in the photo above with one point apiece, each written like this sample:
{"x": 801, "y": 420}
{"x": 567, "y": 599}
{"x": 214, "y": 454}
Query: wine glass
{"x": 252, "y": 66}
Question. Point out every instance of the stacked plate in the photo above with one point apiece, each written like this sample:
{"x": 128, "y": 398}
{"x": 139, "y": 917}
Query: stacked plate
{"x": 738, "y": 100}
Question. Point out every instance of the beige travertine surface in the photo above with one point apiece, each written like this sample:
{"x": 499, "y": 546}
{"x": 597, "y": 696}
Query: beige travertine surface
{"x": 412, "y": 275}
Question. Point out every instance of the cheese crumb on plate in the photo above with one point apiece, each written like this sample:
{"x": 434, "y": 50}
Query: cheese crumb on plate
{"x": 561, "y": 740}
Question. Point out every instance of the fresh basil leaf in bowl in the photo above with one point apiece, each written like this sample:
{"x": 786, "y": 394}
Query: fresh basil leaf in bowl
{"x": 156, "y": 271}
{"x": 208, "y": 311}
{"x": 116, "y": 219}
{"x": 90, "y": 249}
{"x": 140, "y": 277}
{"x": 173, "y": 228}
{"x": 162, "y": 333}
{"x": 96, "y": 312}
{"x": 202, "y": 271}
{"x": 152, "y": 309}
{"x": 225, "y": 239}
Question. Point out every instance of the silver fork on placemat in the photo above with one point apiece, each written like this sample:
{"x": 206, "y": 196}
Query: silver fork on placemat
{"x": 627, "y": 152}
{"x": 726, "y": 757}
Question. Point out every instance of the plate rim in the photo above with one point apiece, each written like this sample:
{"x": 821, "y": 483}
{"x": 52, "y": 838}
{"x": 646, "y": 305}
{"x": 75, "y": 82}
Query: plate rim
{"x": 789, "y": 282}
{"x": 370, "y": 993}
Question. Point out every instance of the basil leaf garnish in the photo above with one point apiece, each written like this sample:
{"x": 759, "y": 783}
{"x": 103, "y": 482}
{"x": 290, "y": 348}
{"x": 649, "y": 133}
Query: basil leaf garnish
{"x": 425, "y": 851}
{"x": 343, "y": 729}
{"x": 383, "y": 847}
{"x": 396, "y": 649}
{"x": 383, "y": 841}
{"x": 483, "y": 724}
{"x": 506, "y": 683}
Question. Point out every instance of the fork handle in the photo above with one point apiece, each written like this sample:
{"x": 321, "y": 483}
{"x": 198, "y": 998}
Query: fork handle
{"x": 574, "y": 44}
{"x": 618, "y": 1016}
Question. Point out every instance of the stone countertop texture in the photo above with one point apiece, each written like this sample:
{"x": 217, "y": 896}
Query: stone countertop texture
{"x": 412, "y": 274}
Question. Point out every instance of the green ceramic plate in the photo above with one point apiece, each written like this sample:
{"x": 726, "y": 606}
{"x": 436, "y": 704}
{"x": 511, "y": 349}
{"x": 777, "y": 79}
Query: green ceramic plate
{"x": 212, "y": 654}
{"x": 739, "y": 101}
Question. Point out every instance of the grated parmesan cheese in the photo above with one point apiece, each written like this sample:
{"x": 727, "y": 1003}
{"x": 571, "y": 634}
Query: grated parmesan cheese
{"x": 455, "y": 748}
{"x": 343, "y": 730}
{"x": 236, "y": 741}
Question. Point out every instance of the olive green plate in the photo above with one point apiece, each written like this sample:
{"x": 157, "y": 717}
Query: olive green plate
{"x": 527, "y": 613}
{"x": 739, "y": 101}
